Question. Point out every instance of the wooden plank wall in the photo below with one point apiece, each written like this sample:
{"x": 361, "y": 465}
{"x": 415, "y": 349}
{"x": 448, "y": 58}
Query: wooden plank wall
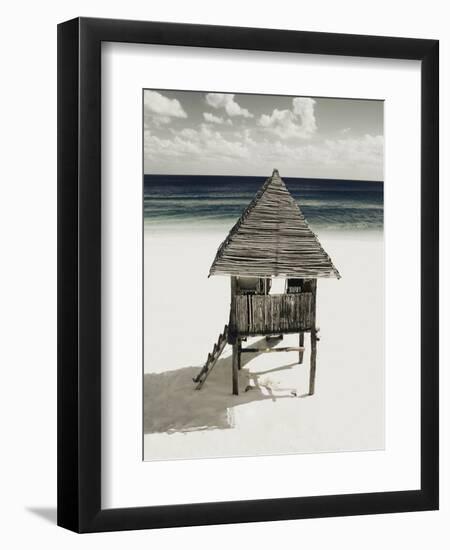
{"x": 283, "y": 313}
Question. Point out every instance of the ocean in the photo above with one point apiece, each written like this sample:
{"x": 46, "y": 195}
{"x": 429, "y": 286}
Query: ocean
{"x": 178, "y": 200}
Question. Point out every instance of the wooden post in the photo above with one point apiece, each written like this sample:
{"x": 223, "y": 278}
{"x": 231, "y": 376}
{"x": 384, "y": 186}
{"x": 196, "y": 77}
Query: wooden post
{"x": 232, "y": 323}
{"x": 239, "y": 342}
{"x": 312, "y": 370}
{"x": 235, "y": 367}
{"x": 234, "y": 340}
{"x": 301, "y": 341}
{"x": 233, "y": 281}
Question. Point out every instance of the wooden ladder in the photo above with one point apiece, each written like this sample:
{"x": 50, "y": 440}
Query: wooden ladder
{"x": 212, "y": 358}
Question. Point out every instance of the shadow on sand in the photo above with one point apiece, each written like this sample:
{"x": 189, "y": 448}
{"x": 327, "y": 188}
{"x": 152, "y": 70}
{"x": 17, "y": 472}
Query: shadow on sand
{"x": 172, "y": 404}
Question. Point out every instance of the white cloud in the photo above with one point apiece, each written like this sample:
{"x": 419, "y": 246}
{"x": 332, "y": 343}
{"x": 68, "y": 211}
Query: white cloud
{"x": 300, "y": 122}
{"x": 156, "y": 120}
{"x": 187, "y": 133}
{"x": 161, "y": 108}
{"x": 364, "y": 151}
{"x": 205, "y": 149}
{"x": 195, "y": 145}
{"x": 227, "y": 102}
{"x": 353, "y": 158}
{"x": 209, "y": 117}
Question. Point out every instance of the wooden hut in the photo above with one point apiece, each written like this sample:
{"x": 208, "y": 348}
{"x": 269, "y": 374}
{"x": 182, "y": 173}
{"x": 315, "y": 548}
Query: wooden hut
{"x": 270, "y": 239}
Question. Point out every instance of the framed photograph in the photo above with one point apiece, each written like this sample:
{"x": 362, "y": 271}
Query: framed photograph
{"x": 248, "y": 275}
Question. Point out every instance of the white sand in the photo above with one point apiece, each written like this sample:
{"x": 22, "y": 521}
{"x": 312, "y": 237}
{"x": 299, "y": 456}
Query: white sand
{"x": 184, "y": 313}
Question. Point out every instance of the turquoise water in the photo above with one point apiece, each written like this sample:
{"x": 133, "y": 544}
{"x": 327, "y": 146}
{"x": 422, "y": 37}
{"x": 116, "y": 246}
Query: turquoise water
{"x": 202, "y": 200}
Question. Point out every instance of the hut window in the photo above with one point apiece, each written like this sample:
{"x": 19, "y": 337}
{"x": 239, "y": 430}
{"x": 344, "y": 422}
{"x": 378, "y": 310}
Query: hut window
{"x": 248, "y": 285}
{"x": 278, "y": 286}
{"x": 294, "y": 286}
{"x": 253, "y": 285}
{"x": 264, "y": 286}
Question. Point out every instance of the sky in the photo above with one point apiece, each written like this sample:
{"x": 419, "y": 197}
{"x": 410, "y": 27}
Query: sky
{"x": 189, "y": 132}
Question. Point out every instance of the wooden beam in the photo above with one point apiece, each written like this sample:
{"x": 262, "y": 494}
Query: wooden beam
{"x": 312, "y": 369}
{"x": 235, "y": 368}
{"x": 271, "y": 350}
{"x": 312, "y": 372}
{"x": 239, "y": 343}
{"x": 301, "y": 341}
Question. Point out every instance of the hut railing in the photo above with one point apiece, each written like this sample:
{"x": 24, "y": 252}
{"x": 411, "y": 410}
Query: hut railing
{"x": 271, "y": 314}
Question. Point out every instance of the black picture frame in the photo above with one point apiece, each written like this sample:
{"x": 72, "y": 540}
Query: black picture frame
{"x": 79, "y": 274}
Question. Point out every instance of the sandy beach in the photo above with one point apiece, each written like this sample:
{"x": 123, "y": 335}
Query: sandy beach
{"x": 184, "y": 313}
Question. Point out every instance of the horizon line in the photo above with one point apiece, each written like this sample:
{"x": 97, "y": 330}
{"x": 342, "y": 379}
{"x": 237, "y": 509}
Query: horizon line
{"x": 265, "y": 177}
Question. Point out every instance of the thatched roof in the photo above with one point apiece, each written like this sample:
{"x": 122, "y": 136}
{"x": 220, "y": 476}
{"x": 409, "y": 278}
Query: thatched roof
{"x": 272, "y": 239}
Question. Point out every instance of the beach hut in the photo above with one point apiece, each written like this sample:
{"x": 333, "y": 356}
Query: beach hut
{"x": 270, "y": 240}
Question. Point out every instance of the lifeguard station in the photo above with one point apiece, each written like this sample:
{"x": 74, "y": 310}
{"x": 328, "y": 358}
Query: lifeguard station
{"x": 270, "y": 240}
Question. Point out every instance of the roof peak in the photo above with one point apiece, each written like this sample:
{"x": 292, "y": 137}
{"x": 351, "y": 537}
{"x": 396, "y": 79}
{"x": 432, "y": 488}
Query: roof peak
{"x": 272, "y": 238}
